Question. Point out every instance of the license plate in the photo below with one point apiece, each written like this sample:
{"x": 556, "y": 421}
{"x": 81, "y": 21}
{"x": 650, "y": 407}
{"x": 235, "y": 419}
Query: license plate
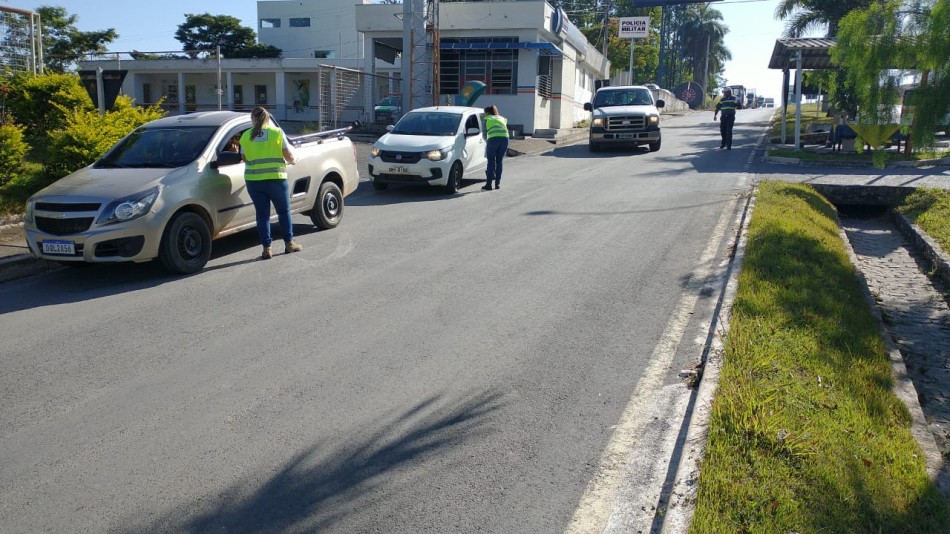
{"x": 59, "y": 247}
{"x": 627, "y": 136}
{"x": 398, "y": 169}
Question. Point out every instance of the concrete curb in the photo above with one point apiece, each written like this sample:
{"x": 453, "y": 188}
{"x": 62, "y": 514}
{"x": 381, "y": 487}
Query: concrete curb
{"x": 924, "y": 163}
{"x": 938, "y": 259}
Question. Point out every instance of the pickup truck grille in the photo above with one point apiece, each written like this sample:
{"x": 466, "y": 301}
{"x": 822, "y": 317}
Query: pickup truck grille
{"x": 626, "y": 122}
{"x": 63, "y": 226}
{"x": 392, "y": 156}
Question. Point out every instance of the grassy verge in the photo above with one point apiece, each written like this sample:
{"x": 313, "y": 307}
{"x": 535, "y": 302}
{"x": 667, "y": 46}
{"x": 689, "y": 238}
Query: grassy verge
{"x": 806, "y": 434}
{"x": 930, "y": 209}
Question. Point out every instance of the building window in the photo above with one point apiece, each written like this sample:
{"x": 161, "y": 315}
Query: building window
{"x": 147, "y": 93}
{"x": 238, "y": 95}
{"x": 270, "y": 23}
{"x": 260, "y": 92}
{"x": 300, "y": 22}
{"x": 324, "y": 54}
{"x": 496, "y": 68}
{"x": 545, "y": 76}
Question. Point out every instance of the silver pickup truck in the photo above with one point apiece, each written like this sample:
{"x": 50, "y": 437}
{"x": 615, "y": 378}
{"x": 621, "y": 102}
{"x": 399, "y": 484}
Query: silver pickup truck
{"x": 170, "y": 187}
{"x": 624, "y": 115}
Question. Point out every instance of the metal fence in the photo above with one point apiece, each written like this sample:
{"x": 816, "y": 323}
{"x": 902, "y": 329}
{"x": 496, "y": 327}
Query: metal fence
{"x": 20, "y": 48}
{"x": 346, "y": 95}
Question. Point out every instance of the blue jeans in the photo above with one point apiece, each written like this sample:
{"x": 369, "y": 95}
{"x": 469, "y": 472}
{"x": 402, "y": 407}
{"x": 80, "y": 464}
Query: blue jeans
{"x": 263, "y": 193}
{"x": 495, "y": 153}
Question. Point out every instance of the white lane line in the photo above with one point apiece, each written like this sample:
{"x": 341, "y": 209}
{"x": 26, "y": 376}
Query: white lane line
{"x": 651, "y": 412}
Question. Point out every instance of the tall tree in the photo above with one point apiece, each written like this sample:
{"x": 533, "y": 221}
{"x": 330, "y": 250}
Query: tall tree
{"x": 199, "y": 35}
{"x": 704, "y": 42}
{"x": 803, "y": 16}
{"x": 64, "y": 44}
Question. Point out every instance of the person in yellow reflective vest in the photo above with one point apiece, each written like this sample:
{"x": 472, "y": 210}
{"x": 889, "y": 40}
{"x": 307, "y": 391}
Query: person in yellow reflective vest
{"x": 727, "y": 106}
{"x": 266, "y": 153}
{"x": 496, "y": 128}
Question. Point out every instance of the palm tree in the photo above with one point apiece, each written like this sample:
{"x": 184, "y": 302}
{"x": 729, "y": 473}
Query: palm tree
{"x": 703, "y": 36}
{"x": 802, "y": 16}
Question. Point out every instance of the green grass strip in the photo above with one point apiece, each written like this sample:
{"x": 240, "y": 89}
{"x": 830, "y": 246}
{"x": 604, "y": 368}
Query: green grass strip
{"x": 930, "y": 209}
{"x": 806, "y": 434}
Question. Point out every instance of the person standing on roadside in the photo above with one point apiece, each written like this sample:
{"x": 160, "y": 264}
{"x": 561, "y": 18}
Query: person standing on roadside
{"x": 267, "y": 152}
{"x": 727, "y": 105}
{"x": 496, "y": 128}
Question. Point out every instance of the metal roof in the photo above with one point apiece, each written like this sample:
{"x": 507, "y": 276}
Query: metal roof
{"x": 816, "y": 53}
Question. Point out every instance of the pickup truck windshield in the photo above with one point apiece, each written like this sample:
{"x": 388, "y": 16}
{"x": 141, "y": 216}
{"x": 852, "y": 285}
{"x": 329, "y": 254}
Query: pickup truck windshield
{"x": 623, "y": 97}
{"x": 158, "y": 148}
{"x": 428, "y": 123}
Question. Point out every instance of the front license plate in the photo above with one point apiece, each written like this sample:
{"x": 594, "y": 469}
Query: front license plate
{"x": 626, "y": 136}
{"x": 398, "y": 169}
{"x": 59, "y": 247}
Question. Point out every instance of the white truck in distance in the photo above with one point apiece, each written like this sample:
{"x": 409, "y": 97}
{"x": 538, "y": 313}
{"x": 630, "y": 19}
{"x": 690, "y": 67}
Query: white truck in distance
{"x": 170, "y": 187}
{"x": 624, "y": 115}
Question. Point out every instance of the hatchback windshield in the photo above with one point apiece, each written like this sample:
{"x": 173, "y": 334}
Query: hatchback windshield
{"x": 158, "y": 148}
{"x": 428, "y": 123}
{"x": 623, "y": 97}
{"x": 391, "y": 101}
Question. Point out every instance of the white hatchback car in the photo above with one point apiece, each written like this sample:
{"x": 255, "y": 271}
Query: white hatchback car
{"x": 434, "y": 145}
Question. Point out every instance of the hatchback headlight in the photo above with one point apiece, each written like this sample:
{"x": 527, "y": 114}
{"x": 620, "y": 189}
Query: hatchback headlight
{"x": 128, "y": 208}
{"x": 437, "y": 155}
{"x": 374, "y": 151}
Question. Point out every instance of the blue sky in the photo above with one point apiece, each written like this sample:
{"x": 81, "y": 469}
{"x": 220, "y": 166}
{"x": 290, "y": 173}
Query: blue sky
{"x": 752, "y": 26}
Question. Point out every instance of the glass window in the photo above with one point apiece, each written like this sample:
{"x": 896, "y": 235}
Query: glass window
{"x": 496, "y": 68}
{"x": 300, "y": 22}
{"x": 270, "y": 23}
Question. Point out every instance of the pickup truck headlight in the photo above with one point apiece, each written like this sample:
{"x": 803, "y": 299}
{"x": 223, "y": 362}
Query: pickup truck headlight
{"x": 128, "y": 208}
{"x": 654, "y": 119}
{"x": 437, "y": 155}
{"x": 374, "y": 151}
{"x": 599, "y": 123}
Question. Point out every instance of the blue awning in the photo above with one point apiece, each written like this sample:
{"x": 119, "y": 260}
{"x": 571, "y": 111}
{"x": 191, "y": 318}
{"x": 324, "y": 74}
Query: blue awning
{"x": 542, "y": 47}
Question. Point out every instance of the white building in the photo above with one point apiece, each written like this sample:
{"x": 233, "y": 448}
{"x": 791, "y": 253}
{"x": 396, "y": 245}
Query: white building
{"x": 341, "y": 56}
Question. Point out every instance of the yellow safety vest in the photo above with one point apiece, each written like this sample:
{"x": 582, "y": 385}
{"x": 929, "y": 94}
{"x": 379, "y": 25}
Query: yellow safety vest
{"x": 496, "y": 125}
{"x": 264, "y": 155}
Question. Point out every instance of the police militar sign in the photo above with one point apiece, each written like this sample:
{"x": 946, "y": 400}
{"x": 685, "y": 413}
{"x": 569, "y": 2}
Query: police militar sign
{"x": 634, "y": 27}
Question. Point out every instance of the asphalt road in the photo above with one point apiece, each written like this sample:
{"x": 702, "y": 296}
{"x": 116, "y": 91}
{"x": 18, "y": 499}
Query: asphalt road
{"x": 500, "y": 362}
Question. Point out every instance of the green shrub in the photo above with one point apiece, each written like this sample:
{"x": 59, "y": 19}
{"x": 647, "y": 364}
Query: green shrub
{"x": 12, "y": 151}
{"x": 40, "y": 103}
{"x": 87, "y": 135}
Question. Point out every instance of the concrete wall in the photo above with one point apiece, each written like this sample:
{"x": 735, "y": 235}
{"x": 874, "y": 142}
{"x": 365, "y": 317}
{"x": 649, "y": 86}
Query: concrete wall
{"x": 332, "y": 27}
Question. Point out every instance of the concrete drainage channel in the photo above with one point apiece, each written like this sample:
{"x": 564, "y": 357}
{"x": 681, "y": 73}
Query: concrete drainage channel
{"x": 908, "y": 279}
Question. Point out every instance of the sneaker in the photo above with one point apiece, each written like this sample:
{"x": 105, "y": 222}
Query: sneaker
{"x": 291, "y": 246}
{"x": 266, "y": 255}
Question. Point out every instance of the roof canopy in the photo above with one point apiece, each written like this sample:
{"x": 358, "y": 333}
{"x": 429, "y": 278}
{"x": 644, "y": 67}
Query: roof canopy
{"x": 816, "y": 53}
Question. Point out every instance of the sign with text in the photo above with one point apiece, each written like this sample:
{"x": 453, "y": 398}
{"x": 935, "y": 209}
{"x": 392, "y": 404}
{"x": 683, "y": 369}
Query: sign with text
{"x": 634, "y": 27}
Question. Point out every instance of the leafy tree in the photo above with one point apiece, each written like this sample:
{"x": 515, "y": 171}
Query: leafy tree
{"x": 253, "y": 51}
{"x": 86, "y": 135}
{"x": 704, "y": 37}
{"x": 38, "y": 102}
{"x": 199, "y": 35}
{"x": 64, "y": 44}
{"x": 803, "y": 16}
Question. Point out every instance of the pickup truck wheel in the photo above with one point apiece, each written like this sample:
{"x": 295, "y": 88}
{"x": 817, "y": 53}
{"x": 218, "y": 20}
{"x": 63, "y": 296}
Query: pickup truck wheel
{"x": 594, "y": 147}
{"x": 186, "y": 244}
{"x": 328, "y": 213}
{"x": 655, "y": 146}
{"x": 379, "y": 186}
{"x": 455, "y": 179}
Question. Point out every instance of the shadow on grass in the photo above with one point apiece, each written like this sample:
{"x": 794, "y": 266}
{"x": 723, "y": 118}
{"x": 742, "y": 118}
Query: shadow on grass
{"x": 318, "y": 488}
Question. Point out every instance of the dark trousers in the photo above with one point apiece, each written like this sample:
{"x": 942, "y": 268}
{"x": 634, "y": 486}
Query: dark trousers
{"x": 725, "y": 129}
{"x": 495, "y": 152}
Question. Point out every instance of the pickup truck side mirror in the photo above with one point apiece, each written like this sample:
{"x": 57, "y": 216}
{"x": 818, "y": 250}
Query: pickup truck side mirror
{"x": 588, "y": 107}
{"x": 226, "y": 158}
{"x": 660, "y": 103}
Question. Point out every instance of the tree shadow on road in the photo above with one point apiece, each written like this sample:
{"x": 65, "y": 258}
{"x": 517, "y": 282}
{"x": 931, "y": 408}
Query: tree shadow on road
{"x": 319, "y": 486}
